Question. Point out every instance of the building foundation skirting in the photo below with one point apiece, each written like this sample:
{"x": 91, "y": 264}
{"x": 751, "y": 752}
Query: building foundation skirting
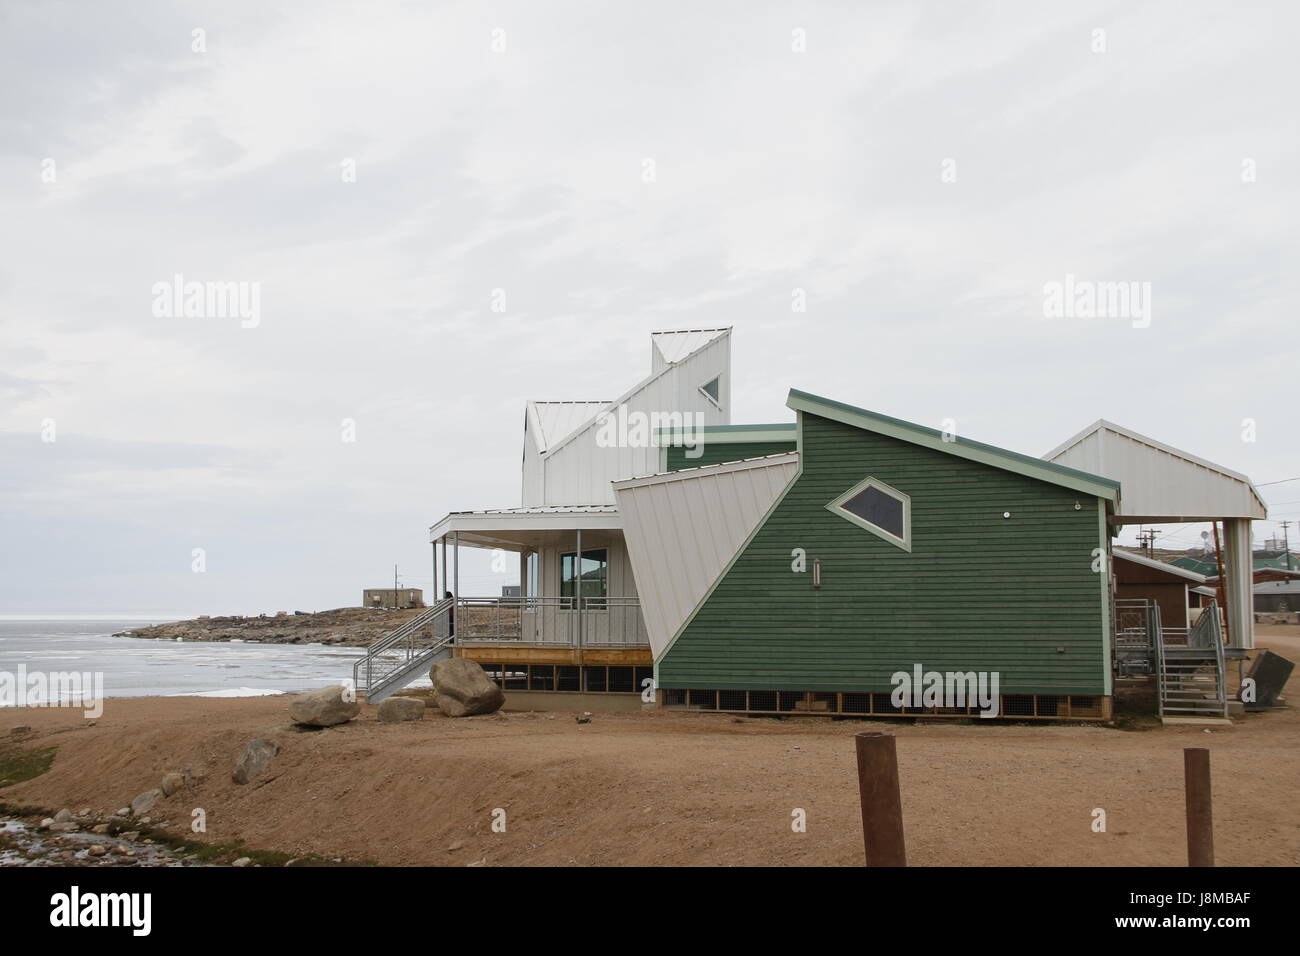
{"x": 1072, "y": 707}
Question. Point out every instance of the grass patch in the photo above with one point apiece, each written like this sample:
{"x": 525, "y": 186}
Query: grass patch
{"x": 202, "y": 852}
{"x": 19, "y": 765}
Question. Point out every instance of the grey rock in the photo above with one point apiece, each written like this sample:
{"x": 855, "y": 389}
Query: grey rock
{"x": 143, "y": 803}
{"x": 396, "y": 709}
{"x": 171, "y": 783}
{"x": 461, "y": 689}
{"x": 63, "y": 816}
{"x": 324, "y": 708}
{"x": 257, "y": 754}
{"x": 243, "y": 861}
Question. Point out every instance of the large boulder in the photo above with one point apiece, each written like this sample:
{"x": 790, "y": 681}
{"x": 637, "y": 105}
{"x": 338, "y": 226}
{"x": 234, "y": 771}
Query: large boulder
{"x": 461, "y": 689}
{"x": 257, "y": 754}
{"x": 393, "y": 710}
{"x": 325, "y": 707}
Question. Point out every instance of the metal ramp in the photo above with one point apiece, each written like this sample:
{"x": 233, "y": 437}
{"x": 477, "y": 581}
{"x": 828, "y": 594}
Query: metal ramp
{"x": 1190, "y": 676}
{"x": 401, "y": 656}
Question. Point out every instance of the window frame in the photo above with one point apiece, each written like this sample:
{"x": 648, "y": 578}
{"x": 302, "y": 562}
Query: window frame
{"x": 715, "y": 402}
{"x": 577, "y": 580}
{"x": 836, "y": 507}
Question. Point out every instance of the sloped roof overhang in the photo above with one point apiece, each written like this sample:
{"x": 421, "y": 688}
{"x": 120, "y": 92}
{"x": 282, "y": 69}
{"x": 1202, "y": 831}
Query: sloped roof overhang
{"x": 1080, "y": 481}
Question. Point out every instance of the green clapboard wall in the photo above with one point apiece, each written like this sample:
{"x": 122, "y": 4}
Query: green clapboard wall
{"x": 977, "y": 592}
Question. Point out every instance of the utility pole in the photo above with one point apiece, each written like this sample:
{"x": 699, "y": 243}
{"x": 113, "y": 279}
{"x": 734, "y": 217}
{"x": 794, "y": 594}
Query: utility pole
{"x": 395, "y": 601}
{"x": 1286, "y": 543}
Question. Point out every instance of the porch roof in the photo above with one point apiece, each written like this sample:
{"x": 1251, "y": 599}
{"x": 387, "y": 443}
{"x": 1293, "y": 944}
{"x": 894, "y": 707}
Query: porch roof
{"x": 519, "y": 528}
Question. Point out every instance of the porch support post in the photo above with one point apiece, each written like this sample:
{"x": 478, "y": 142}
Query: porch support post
{"x": 433, "y": 551}
{"x": 577, "y": 593}
{"x": 455, "y": 583}
{"x": 1238, "y": 583}
{"x": 445, "y": 580}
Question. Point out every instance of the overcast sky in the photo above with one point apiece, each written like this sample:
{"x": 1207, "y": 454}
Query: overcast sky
{"x": 921, "y": 171}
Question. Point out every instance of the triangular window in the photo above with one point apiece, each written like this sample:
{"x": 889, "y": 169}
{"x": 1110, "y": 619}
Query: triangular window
{"x": 711, "y": 390}
{"x": 884, "y": 511}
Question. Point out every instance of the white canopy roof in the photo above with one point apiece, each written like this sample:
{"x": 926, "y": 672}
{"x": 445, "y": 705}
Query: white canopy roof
{"x": 1159, "y": 483}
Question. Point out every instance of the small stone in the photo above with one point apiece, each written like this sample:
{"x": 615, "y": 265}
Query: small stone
{"x": 131, "y": 835}
{"x": 394, "y": 710}
{"x": 63, "y": 827}
{"x": 143, "y": 803}
{"x": 97, "y": 850}
{"x": 455, "y": 846}
{"x": 584, "y": 717}
{"x": 99, "y": 828}
{"x": 257, "y": 754}
{"x": 243, "y": 861}
{"x": 123, "y": 812}
{"x": 63, "y": 816}
{"x": 47, "y": 823}
{"x": 171, "y": 783}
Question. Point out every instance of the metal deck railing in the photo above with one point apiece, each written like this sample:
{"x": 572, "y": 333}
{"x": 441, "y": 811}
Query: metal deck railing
{"x": 551, "y": 621}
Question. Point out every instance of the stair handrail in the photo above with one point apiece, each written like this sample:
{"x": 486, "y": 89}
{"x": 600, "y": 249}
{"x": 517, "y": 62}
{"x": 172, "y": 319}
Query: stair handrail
{"x": 391, "y": 640}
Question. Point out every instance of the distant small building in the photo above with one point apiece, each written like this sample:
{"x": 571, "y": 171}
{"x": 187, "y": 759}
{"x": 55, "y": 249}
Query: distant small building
{"x": 392, "y": 597}
{"x": 1277, "y": 596}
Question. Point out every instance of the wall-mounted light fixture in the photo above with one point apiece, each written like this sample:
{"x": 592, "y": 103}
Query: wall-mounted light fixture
{"x": 817, "y": 572}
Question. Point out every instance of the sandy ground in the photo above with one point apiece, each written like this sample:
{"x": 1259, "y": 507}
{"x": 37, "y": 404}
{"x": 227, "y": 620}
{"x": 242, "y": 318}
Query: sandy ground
{"x": 664, "y": 789}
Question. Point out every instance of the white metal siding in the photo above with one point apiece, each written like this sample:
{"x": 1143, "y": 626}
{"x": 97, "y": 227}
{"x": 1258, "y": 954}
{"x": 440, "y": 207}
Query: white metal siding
{"x": 682, "y": 532}
{"x": 579, "y": 471}
{"x": 1157, "y": 481}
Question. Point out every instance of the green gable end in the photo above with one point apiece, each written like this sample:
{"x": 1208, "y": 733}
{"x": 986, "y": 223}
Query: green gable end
{"x": 977, "y": 591}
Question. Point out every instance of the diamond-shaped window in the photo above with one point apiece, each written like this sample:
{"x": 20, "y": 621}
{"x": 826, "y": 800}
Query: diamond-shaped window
{"x": 884, "y": 511}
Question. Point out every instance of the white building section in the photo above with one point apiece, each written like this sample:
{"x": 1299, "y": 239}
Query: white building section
{"x": 1160, "y": 484}
{"x": 684, "y": 528}
{"x": 689, "y": 385}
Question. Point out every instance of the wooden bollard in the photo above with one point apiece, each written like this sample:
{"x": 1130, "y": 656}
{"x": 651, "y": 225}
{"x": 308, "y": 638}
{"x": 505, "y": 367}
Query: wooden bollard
{"x": 882, "y": 802}
{"x": 1200, "y": 810}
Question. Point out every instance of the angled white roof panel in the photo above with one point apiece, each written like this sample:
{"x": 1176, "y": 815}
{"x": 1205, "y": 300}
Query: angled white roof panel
{"x": 684, "y": 528}
{"x": 673, "y": 346}
{"x": 1159, "y": 482}
{"x": 555, "y": 421}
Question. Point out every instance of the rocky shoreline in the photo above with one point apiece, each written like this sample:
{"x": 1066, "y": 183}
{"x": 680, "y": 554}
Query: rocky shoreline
{"x": 345, "y": 627}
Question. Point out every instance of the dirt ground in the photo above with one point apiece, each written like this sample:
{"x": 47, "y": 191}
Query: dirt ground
{"x": 668, "y": 788}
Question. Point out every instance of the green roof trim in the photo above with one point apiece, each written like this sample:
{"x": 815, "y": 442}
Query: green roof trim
{"x": 1081, "y": 481}
{"x": 729, "y": 433}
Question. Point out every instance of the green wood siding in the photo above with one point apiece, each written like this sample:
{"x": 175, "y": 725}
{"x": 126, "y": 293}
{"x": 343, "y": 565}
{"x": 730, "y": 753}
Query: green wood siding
{"x": 977, "y": 592}
{"x": 715, "y": 453}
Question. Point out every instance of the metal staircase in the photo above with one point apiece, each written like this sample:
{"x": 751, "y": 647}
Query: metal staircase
{"x": 1190, "y": 677}
{"x": 401, "y": 656}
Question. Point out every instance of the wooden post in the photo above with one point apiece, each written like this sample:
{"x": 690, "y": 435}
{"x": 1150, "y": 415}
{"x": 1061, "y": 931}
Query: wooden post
{"x": 1200, "y": 813}
{"x": 882, "y": 803}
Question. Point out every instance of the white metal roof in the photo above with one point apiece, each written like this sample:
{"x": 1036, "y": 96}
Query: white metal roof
{"x": 684, "y": 528}
{"x": 503, "y": 524}
{"x": 1159, "y": 482}
{"x": 675, "y": 345}
{"x": 552, "y": 422}
{"x": 1165, "y": 566}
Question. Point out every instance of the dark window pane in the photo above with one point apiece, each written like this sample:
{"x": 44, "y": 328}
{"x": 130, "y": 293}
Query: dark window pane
{"x": 883, "y": 510}
{"x": 595, "y": 574}
{"x": 711, "y": 390}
